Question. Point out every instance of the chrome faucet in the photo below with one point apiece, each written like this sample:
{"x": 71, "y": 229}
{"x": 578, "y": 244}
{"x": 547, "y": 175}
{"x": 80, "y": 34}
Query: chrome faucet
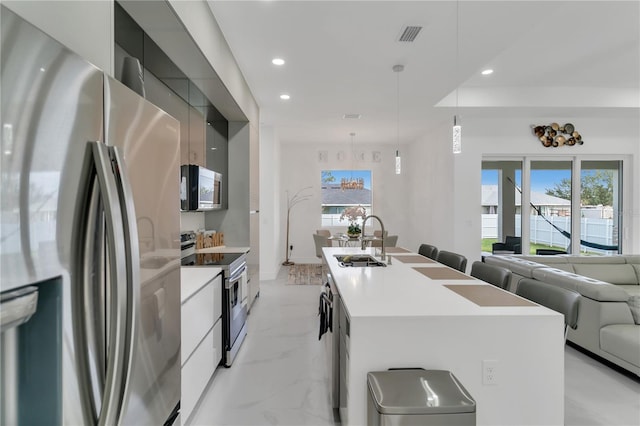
{"x": 364, "y": 240}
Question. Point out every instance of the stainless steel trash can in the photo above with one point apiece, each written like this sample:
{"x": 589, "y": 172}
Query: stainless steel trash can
{"x": 418, "y": 397}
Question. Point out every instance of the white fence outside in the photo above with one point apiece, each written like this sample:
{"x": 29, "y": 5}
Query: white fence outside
{"x": 599, "y": 231}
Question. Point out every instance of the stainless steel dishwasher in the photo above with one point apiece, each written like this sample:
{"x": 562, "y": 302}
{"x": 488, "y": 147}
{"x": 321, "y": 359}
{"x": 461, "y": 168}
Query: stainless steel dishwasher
{"x": 332, "y": 342}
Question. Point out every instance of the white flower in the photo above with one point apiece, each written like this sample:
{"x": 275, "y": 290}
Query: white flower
{"x": 352, "y": 213}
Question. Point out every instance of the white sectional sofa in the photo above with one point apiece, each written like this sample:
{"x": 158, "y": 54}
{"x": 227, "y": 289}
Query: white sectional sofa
{"x": 609, "y": 286}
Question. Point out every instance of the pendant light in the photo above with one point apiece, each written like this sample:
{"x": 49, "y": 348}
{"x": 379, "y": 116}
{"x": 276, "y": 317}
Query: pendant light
{"x": 457, "y": 129}
{"x": 398, "y": 69}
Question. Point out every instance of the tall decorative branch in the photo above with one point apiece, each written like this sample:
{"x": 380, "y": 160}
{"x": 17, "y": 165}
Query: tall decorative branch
{"x": 298, "y": 197}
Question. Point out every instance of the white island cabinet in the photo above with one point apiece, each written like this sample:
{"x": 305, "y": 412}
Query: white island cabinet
{"x": 201, "y": 327}
{"x": 405, "y": 315}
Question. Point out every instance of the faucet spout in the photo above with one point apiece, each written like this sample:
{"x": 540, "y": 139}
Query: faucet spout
{"x": 364, "y": 241}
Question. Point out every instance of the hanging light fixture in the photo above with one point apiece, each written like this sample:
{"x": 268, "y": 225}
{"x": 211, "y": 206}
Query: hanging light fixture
{"x": 457, "y": 129}
{"x": 351, "y": 183}
{"x": 398, "y": 69}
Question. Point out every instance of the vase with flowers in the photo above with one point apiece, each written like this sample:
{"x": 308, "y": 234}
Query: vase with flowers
{"x": 352, "y": 214}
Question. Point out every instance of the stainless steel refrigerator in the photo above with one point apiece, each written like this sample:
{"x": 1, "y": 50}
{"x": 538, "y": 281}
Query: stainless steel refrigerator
{"x": 89, "y": 232}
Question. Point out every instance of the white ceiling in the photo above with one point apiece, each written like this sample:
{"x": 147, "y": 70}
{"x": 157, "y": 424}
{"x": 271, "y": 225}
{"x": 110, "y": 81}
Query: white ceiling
{"x": 551, "y": 59}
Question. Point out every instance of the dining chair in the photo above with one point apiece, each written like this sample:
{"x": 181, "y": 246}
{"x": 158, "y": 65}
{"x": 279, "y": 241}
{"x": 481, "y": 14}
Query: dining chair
{"x": 389, "y": 241}
{"x": 323, "y": 232}
{"x": 320, "y": 241}
{"x": 378, "y": 233}
{"x": 429, "y": 251}
{"x": 492, "y": 274}
{"x": 453, "y": 260}
{"x": 559, "y": 299}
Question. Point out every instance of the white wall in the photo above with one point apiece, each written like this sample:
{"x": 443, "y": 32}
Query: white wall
{"x": 447, "y": 212}
{"x": 300, "y": 167}
{"x": 271, "y": 235}
{"x": 86, "y": 27}
{"x": 431, "y": 188}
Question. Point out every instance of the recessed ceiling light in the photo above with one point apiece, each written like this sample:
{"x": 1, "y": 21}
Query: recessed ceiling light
{"x": 277, "y": 61}
{"x": 487, "y": 72}
{"x": 285, "y": 97}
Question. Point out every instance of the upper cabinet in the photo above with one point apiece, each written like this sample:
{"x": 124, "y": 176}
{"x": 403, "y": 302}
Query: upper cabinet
{"x": 167, "y": 87}
{"x": 196, "y": 143}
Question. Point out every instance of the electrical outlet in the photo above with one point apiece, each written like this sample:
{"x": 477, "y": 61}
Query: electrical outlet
{"x": 489, "y": 372}
{"x": 291, "y": 247}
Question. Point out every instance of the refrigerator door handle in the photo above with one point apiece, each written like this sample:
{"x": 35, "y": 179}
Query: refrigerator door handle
{"x": 100, "y": 406}
{"x": 132, "y": 285}
{"x": 117, "y": 366}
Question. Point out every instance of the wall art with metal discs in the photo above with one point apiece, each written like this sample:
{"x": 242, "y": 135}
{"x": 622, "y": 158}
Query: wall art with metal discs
{"x": 554, "y": 135}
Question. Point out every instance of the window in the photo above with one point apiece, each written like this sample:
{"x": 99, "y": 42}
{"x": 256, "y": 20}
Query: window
{"x": 573, "y": 205}
{"x": 342, "y": 189}
{"x": 601, "y": 206}
{"x": 550, "y": 195}
{"x": 501, "y": 183}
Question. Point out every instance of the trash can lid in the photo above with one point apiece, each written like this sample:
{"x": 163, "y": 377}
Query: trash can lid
{"x": 418, "y": 392}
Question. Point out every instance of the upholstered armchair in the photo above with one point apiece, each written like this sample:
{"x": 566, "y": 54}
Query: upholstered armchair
{"x": 511, "y": 245}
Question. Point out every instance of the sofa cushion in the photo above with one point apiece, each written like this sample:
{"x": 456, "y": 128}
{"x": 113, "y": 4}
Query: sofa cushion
{"x": 614, "y": 274}
{"x": 567, "y": 267}
{"x": 546, "y": 260}
{"x": 607, "y": 260}
{"x": 622, "y": 341}
{"x": 631, "y": 258}
{"x": 558, "y": 261}
{"x": 516, "y": 264}
{"x": 636, "y": 267}
{"x": 634, "y": 305}
{"x": 588, "y": 287}
{"x": 633, "y": 290}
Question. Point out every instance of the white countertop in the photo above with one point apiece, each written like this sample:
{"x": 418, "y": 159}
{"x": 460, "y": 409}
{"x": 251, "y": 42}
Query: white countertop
{"x": 223, "y": 249}
{"x": 398, "y": 290}
{"x": 193, "y": 278}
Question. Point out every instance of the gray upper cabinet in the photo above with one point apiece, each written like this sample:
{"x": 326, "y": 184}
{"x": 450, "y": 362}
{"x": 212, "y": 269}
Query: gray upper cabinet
{"x": 196, "y": 142}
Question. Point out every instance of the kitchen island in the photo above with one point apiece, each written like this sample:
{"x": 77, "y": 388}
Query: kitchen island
{"x": 418, "y": 313}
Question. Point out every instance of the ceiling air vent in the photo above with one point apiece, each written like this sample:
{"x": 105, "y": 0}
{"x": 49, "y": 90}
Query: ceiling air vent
{"x": 353, "y": 116}
{"x": 409, "y": 33}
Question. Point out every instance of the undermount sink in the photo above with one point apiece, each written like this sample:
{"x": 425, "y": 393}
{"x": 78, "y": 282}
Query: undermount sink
{"x": 358, "y": 261}
{"x": 154, "y": 262}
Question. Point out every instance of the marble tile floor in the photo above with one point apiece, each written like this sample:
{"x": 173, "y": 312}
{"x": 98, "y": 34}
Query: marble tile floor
{"x": 279, "y": 376}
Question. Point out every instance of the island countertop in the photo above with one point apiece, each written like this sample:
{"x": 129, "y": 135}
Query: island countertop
{"x": 401, "y": 290}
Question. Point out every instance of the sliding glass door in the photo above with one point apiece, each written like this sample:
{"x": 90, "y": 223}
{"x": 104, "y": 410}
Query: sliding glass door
{"x": 601, "y": 206}
{"x": 570, "y": 205}
{"x": 501, "y": 202}
{"x": 550, "y": 198}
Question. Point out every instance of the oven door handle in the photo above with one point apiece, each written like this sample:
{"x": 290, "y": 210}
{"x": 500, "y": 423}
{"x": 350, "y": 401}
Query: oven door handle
{"x": 229, "y": 283}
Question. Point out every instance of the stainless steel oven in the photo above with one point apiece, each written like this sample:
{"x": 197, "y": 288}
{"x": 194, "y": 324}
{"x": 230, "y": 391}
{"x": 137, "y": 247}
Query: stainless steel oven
{"x": 234, "y": 317}
{"x": 234, "y": 292}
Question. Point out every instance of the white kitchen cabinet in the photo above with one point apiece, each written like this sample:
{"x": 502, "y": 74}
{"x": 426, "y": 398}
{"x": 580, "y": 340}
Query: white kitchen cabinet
{"x": 196, "y": 373}
{"x": 197, "y": 320}
{"x": 201, "y": 328}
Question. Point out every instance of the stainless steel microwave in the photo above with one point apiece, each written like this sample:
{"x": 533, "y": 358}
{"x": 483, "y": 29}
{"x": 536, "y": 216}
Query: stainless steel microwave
{"x": 200, "y": 188}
